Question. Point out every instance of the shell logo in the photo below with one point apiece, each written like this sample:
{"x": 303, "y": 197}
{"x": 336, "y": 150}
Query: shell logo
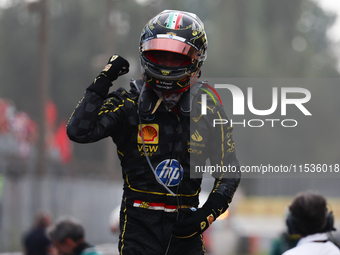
{"x": 150, "y": 133}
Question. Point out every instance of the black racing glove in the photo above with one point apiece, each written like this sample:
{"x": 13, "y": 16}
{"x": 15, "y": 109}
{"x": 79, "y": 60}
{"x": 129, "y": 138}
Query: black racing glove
{"x": 198, "y": 220}
{"x": 115, "y": 67}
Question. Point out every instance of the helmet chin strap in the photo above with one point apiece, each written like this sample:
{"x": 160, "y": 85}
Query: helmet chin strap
{"x": 144, "y": 147}
{"x": 157, "y": 104}
{"x": 170, "y": 99}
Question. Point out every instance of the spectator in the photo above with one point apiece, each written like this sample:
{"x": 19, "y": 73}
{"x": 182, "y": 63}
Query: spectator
{"x": 36, "y": 242}
{"x": 283, "y": 243}
{"x": 309, "y": 217}
{"x": 68, "y": 236}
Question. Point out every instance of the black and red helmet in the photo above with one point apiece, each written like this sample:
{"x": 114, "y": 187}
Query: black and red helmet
{"x": 180, "y": 34}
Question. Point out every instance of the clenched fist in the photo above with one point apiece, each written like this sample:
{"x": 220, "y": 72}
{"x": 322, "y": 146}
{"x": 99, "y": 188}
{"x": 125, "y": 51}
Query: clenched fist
{"x": 115, "y": 67}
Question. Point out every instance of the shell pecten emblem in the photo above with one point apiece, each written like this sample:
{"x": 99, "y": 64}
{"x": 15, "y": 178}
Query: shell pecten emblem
{"x": 150, "y": 134}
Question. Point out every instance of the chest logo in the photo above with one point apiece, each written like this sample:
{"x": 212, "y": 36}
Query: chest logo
{"x": 150, "y": 134}
{"x": 169, "y": 172}
{"x": 196, "y": 137}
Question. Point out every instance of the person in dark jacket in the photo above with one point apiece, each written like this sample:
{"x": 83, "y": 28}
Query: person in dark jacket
{"x": 163, "y": 140}
{"x": 36, "y": 241}
{"x": 68, "y": 236}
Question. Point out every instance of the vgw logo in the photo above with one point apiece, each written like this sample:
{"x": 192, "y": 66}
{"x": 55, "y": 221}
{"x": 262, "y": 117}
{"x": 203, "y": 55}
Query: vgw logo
{"x": 169, "y": 172}
{"x": 238, "y": 105}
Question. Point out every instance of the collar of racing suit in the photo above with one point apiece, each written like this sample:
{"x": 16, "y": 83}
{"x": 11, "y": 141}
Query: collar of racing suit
{"x": 170, "y": 99}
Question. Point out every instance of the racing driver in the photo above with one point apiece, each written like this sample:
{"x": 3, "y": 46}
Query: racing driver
{"x": 161, "y": 135}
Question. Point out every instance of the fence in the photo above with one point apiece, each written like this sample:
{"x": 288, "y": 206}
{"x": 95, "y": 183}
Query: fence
{"x": 64, "y": 190}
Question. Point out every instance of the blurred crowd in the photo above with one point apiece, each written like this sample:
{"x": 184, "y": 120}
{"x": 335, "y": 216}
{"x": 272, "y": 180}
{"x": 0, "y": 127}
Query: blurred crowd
{"x": 19, "y": 133}
{"x": 66, "y": 236}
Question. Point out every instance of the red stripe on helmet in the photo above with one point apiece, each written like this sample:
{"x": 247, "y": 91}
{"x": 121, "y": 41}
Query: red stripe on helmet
{"x": 180, "y": 15}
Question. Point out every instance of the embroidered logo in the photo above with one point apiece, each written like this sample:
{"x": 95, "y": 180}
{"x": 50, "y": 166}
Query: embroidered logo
{"x": 196, "y": 137}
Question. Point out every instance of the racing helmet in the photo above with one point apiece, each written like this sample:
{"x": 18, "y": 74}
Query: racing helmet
{"x": 177, "y": 35}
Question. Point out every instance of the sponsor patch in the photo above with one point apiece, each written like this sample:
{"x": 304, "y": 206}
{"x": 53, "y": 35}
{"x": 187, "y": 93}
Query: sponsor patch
{"x": 196, "y": 137}
{"x": 150, "y": 133}
{"x": 203, "y": 224}
{"x": 107, "y": 67}
{"x": 157, "y": 206}
{"x": 169, "y": 172}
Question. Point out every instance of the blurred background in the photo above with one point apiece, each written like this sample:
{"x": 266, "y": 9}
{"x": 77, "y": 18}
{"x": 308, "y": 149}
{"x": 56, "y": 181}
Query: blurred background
{"x": 51, "y": 50}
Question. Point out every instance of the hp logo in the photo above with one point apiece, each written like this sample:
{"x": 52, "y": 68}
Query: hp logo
{"x": 169, "y": 172}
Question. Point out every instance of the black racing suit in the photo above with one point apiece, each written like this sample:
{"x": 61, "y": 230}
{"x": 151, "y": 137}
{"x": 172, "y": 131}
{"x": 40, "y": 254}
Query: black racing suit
{"x": 180, "y": 137}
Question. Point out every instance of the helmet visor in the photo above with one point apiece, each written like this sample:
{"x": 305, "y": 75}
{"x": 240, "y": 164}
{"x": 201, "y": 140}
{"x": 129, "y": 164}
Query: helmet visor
{"x": 167, "y": 58}
{"x": 172, "y": 45}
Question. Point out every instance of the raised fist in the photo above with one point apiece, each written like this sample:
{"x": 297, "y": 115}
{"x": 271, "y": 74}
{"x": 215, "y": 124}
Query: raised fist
{"x": 115, "y": 67}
